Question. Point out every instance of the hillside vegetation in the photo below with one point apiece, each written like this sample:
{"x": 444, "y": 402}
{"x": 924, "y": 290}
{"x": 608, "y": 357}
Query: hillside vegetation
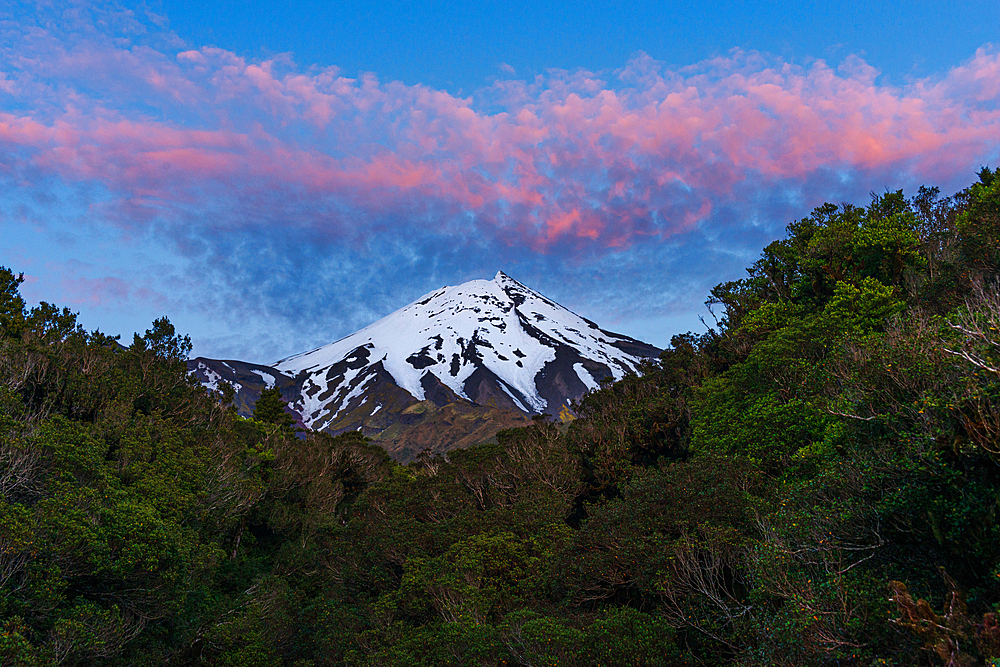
{"x": 813, "y": 482}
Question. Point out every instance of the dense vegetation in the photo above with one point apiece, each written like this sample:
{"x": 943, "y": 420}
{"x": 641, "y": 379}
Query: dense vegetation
{"x": 815, "y": 481}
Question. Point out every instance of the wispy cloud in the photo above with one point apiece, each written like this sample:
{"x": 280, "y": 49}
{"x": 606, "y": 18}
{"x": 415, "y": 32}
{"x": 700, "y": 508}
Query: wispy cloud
{"x": 238, "y": 165}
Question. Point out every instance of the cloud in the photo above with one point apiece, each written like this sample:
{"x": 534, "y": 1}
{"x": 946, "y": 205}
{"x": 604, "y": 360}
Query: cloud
{"x": 233, "y": 163}
{"x": 574, "y": 161}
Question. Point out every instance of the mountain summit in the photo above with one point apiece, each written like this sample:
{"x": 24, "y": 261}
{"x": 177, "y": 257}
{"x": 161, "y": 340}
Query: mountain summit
{"x": 492, "y": 344}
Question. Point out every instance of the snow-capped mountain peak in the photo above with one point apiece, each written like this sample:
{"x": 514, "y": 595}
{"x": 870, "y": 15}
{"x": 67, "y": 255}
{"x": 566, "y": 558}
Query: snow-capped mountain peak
{"x": 493, "y": 342}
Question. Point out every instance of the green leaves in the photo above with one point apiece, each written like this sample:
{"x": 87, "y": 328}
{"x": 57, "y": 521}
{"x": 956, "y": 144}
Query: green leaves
{"x": 163, "y": 341}
{"x": 979, "y": 224}
{"x": 11, "y": 304}
{"x": 863, "y": 308}
{"x": 270, "y": 408}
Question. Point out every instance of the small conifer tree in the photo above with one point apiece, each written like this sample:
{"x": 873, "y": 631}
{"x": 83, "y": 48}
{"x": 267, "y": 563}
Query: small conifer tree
{"x": 270, "y": 408}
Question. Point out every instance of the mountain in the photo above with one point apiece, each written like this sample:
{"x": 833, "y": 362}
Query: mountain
{"x": 457, "y": 364}
{"x": 246, "y": 379}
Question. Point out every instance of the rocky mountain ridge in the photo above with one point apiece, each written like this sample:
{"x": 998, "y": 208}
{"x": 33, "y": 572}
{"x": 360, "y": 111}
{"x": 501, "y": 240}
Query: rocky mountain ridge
{"x": 471, "y": 359}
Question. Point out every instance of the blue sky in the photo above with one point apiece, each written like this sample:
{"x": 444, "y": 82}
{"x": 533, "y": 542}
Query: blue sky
{"x": 461, "y": 46}
{"x": 273, "y": 179}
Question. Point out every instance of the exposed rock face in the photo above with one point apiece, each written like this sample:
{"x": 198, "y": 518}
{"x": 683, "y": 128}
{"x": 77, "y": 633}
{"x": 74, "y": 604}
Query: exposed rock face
{"x": 448, "y": 370}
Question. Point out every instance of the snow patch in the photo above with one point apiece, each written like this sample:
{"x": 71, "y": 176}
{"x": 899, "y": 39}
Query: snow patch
{"x": 212, "y": 379}
{"x": 585, "y": 377}
{"x": 268, "y": 379}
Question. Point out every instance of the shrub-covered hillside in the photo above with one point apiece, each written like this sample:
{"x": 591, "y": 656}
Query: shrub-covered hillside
{"x": 813, "y": 482}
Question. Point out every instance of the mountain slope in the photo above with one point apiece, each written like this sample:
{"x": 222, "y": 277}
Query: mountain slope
{"x": 246, "y": 379}
{"x": 448, "y": 370}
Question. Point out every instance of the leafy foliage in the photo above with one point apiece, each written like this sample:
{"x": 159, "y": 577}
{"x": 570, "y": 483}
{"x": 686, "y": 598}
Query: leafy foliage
{"x": 270, "y": 408}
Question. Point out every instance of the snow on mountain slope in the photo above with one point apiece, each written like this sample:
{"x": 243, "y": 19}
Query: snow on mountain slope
{"x": 493, "y": 342}
{"x": 246, "y": 379}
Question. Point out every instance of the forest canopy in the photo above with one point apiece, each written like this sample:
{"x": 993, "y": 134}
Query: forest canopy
{"x": 814, "y": 481}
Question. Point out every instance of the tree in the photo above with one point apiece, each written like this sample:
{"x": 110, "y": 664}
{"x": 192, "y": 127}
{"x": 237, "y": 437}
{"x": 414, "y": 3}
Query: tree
{"x": 164, "y": 342}
{"x": 979, "y": 224}
{"x": 270, "y": 408}
{"x": 11, "y": 303}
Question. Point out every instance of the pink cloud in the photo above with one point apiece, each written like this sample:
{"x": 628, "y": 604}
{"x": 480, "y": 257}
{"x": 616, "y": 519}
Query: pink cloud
{"x": 106, "y": 292}
{"x": 96, "y": 292}
{"x": 573, "y": 159}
